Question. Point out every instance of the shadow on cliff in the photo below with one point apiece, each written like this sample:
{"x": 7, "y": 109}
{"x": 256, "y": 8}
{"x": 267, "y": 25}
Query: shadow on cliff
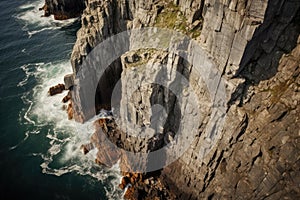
{"x": 276, "y": 36}
{"x": 106, "y": 86}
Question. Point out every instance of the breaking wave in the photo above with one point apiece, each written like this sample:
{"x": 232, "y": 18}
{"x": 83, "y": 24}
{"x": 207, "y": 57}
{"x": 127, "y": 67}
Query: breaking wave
{"x": 48, "y": 121}
{"x": 64, "y": 136}
{"x": 34, "y": 22}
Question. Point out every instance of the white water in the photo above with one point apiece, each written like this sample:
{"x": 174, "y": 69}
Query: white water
{"x": 33, "y": 19}
{"x": 66, "y": 136}
{"x": 45, "y": 112}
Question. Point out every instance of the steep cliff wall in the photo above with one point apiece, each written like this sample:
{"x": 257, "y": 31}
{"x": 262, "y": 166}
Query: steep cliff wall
{"x": 255, "y": 46}
{"x": 258, "y": 154}
{"x": 243, "y": 165}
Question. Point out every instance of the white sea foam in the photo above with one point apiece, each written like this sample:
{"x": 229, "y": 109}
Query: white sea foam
{"x": 31, "y": 17}
{"x": 65, "y": 136}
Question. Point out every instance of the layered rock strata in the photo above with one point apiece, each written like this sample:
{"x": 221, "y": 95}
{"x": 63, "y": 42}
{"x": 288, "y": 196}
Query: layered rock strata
{"x": 255, "y": 47}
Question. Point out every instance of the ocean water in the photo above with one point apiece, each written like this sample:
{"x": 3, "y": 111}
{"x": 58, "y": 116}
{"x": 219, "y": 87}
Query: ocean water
{"x": 39, "y": 152}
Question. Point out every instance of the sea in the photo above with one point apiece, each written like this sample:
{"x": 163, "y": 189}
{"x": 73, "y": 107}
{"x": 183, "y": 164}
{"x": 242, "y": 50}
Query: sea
{"x": 40, "y": 155}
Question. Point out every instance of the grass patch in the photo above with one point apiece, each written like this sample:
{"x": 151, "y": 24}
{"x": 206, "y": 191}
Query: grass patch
{"x": 172, "y": 18}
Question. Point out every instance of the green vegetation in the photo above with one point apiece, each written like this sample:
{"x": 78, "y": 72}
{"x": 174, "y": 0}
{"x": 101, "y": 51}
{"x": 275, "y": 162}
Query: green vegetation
{"x": 172, "y": 18}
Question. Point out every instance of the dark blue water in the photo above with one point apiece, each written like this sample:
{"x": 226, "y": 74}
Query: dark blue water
{"x": 39, "y": 152}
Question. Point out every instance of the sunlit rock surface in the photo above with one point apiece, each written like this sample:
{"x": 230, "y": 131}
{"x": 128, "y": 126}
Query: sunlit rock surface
{"x": 254, "y": 45}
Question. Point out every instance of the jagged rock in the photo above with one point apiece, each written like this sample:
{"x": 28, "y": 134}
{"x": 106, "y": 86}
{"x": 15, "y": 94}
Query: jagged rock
{"x": 64, "y": 107}
{"x": 86, "y": 148}
{"x": 124, "y": 182}
{"x": 131, "y": 194}
{"x": 63, "y": 9}
{"x": 67, "y": 98}
{"x": 56, "y": 89}
{"x": 70, "y": 111}
{"x": 69, "y": 81}
{"x": 108, "y": 154}
{"x": 131, "y": 58}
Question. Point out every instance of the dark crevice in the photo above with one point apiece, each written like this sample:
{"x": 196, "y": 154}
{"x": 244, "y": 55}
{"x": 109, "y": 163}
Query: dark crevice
{"x": 255, "y": 158}
{"x": 243, "y": 127}
{"x": 211, "y": 196}
{"x": 280, "y": 117}
{"x": 106, "y": 86}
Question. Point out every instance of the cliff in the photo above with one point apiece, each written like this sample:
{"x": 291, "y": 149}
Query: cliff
{"x": 253, "y": 46}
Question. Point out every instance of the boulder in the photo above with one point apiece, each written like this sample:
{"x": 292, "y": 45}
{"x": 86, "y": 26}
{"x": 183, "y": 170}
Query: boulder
{"x": 70, "y": 111}
{"x": 69, "y": 81}
{"x": 67, "y": 98}
{"x": 63, "y": 9}
{"x": 124, "y": 182}
{"x": 56, "y": 89}
{"x": 131, "y": 194}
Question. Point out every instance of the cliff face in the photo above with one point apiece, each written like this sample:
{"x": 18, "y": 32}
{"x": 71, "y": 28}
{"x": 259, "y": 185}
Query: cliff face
{"x": 258, "y": 154}
{"x": 260, "y": 118}
{"x": 254, "y": 45}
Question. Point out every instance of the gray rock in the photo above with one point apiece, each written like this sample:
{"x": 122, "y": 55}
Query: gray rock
{"x": 239, "y": 37}
{"x": 69, "y": 81}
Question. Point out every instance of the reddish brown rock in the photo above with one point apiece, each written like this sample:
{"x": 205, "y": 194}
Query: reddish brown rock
{"x": 63, "y": 9}
{"x": 70, "y": 111}
{"x": 124, "y": 182}
{"x": 61, "y": 17}
{"x": 108, "y": 153}
{"x": 131, "y": 194}
{"x": 86, "y": 148}
{"x": 67, "y": 98}
{"x": 45, "y": 8}
{"x": 56, "y": 89}
{"x": 103, "y": 125}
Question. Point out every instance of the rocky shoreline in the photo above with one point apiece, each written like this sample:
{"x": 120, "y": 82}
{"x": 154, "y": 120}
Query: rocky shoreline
{"x": 63, "y": 9}
{"x": 255, "y": 46}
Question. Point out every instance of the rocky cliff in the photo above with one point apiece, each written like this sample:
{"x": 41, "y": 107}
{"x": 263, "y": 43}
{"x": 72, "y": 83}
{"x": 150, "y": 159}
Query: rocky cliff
{"x": 63, "y": 9}
{"x": 254, "y": 47}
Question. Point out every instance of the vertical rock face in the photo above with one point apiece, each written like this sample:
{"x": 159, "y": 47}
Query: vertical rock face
{"x": 255, "y": 46}
{"x": 228, "y": 27}
{"x": 257, "y": 156}
{"x": 63, "y": 9}
{"x": 246, "y": 39}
